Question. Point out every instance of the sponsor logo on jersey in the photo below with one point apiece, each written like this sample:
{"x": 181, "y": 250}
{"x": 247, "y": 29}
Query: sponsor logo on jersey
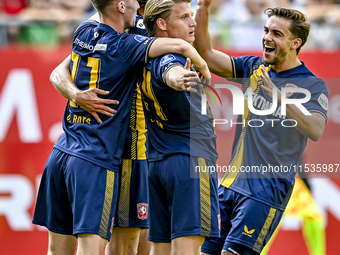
{"x": 167, "y": 59}
{"x": 290, "y": 85}
{"x": 140, "y": 24}
{"x": 140, "y": 38}
{"x": 100, "y": 47}
{"x": 323, "y": 101}
{"x": 248, "y": 232}
{"x": 142, "y": 211}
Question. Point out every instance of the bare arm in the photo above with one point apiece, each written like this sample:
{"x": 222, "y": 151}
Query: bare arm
{"x": 181, "y": 78}
{"x": 171, "y": 45}
{"x": 219, "y": 63}
{"x": 87, "y": 99}
{"x": 311, "y": 126}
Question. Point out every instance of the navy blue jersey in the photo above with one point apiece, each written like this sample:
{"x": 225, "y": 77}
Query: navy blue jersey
{"x": 108, "y": 60}
{"x": 174, "y": 120}
{"x": 265, "y": 159}
{"x": 139, "y": 27}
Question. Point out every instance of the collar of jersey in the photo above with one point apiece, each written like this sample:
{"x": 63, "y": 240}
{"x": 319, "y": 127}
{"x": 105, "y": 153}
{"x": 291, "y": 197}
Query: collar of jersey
{"x": 289, "y": 71}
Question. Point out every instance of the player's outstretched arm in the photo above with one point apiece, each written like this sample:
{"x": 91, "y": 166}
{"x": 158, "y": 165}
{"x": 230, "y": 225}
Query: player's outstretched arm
{"x": 219, "y": 63}
{"x": 181, "y": 78}
{"x": 87, "y": 99}
{"x": 162, "y": 46}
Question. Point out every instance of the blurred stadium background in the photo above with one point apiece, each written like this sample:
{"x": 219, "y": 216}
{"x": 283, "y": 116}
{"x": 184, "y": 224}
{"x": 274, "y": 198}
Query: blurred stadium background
{"x": 35, "y": 36}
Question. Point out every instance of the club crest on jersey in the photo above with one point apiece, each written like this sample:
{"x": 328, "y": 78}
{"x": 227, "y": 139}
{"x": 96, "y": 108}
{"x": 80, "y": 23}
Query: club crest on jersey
{"x": 140, "y": 38}
{"x": 142, "y": 211}
{"x": 290, "y": 85}
{"x": 167, "y": 59}
{"x": 140, "y": 24}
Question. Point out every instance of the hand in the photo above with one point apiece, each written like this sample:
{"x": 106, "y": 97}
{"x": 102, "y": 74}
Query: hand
{"x": 205, "y": 3}
{"x": 90, "y": 102}
{"x": 269, "y": 87}
{"x": 184, "y": 79}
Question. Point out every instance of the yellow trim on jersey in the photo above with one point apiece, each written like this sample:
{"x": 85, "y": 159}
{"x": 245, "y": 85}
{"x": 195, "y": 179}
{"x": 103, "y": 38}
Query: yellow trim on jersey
{"x": 237, "y": 161}
{"x": 230, "y": 176}
{"x": 233, "y": 67}
{"x": 124, "y": 193}
{"x": 324, "y": 115}
{"x": 109, "y": 189}
{"x": 148, "y": 49}
{"x": 134, "y": 132}
{"x": 148, "y": 91}
{"x": 138, "y": 128}
{"x": 205, "y": 199}
{"x": 260, "y": 239}
{"x": 76, "y": 59}
{"x": 141, "y": 127}
{"x": 95, "y": 63}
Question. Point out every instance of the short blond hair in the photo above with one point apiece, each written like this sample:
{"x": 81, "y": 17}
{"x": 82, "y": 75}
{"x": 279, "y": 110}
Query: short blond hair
{"x": 155, "y": 9}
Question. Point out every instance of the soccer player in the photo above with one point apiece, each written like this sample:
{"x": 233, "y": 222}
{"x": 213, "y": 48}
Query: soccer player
{"x": 252, "y": 203}
{"x": 183, "y": 200}
{"x": 144, "y": 245}
{"x": 78, "y": 192}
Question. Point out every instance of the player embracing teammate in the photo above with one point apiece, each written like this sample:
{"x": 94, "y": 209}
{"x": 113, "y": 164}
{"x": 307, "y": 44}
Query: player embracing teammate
{"x": 183, "y": 207}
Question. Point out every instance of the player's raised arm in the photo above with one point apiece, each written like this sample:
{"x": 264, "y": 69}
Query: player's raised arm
{"x": 87, "y": 99}
{"x": 219, "y": 63}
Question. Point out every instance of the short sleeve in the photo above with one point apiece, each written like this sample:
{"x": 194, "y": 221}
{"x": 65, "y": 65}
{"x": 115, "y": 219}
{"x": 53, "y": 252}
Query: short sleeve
{"x": 164, "y": 63}
{"x": 319, "y": 96}
{"x": 134, "y": 49}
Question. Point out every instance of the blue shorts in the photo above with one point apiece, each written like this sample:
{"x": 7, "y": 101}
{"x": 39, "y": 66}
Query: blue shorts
{"x": 246, "y": 224}
{"x": 76, "y": 196}
{"x": 181, "y": 205}
{"x": 133, "y": 201}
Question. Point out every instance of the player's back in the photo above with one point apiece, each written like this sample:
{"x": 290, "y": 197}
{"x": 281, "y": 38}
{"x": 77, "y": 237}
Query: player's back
{"x": 105, "y": 59}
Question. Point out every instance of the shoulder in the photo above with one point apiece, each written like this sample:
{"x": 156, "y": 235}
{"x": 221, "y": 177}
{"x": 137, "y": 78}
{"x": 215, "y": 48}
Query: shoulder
{"x": 89, "y": 24}
{"x": 167, "y": 59}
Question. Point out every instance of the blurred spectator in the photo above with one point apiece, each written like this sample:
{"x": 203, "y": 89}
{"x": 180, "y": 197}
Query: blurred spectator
{"x": 234, "y": 24}
{"x": 12, "y": 6}
{"x": 325, "y": 19}
{"x": 238, "y": 24}
{"x": 247, "y": 33}
{"x": 41, "y": 22}
{"x": 51, "y": 21}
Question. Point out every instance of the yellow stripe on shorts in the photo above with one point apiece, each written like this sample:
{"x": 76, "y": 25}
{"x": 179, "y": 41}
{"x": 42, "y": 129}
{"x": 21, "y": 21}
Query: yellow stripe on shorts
{"x": 104, "y": 223}
{"x": 205, "y": 199}
{"x": 264, "y": 230}
{"x": 124, "y": 195}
